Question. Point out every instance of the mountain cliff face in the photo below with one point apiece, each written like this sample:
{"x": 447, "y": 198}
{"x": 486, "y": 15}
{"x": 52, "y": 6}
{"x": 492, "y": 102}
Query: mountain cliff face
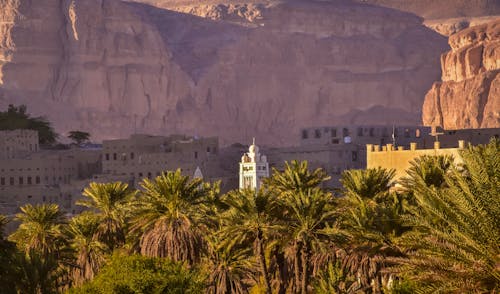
{"x": 469, "y": 94}
{"x": 262, "y": 69}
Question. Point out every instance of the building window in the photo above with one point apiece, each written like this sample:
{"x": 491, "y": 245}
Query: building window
{"x": 140, "y": 175}
{"x": 149, "y": 175}
{"x": 317, "y": 133}
{"x": 107, "y": 156}
{"x": 132, "y": 155}
{"x": 29, "y": 181}
{"x": 360, "y": 132}
{"x": 21, "y": 180}
{"x": 208, "y": 149}
{"x": 304, "y": 134}
{"x": 333, "y": 133}
{"x": 335, "y": 141}
{"x": 11, "y": 181}
{"x": 44, "y": 198}
{"x": 37, "y": 180}
{"x": 345, "y": 132}
{"x": 372, "y": 132}
{"x": 407, "y": 133}
{"x": 114, "y": 156}
{"x": 354, "y": 155}
{"x": 2, "y": 181}
{"x": 196, "y": 154}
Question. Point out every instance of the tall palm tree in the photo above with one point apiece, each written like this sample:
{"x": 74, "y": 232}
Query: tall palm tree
{"x": 167, "y": 217}
{"x": 40, "y": 237}
{"x": 252, "y": 217}
{"x": 297, "y": 189}
{"x": 8, "y": 265}
{"x": 40, "y": 229}
{"x": 229, "y": 266}
{"x": 454, "y": 246}
{"x": 111, "y": 202}
{"x": 89, "y": 252}
{"x": 308, "y": 215}
{"x": 295, "y": 178}
{"x": 372, "y": 218}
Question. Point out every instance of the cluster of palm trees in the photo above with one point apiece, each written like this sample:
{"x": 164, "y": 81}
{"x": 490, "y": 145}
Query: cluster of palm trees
{"x": 437, "y": 230}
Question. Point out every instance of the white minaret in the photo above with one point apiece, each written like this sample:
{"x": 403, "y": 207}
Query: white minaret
{"x": 253, "y": 167}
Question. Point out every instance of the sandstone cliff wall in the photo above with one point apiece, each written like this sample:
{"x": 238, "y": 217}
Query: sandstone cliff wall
{"x": 258, "y": 69}
{"x": 469, "y": 94}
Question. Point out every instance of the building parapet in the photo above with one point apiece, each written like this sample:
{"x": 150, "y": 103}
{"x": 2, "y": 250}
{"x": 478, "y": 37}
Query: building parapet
{"x": 413, "y": 147}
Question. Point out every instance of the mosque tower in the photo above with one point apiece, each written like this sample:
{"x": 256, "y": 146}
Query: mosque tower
{"x": 253, "y": 167}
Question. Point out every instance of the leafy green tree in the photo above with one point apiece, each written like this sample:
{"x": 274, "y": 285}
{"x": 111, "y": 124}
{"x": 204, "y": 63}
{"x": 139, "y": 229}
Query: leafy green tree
{"x": 18, "y": 118}
{"x": 454, "y": 246}
{"x": 111, "y": 202}
{"x": 143, "y": 275}
{"x": 79, "y": 137}
{"x": 89, "y": 252}
{"x": 168, "y": 215}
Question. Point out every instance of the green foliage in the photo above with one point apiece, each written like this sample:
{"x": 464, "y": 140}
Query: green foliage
{"x": 17, "y": 118}
{"x": 8, "y": 266}
{"x": 79, "y": 137}
{"x": 167, "y": 216}
{"x": 333, "y": 279}
{"x": 111, "y": 202}
{"x": 40, "y": 229}
{"x": 88, "y": 251}
{"x": 454, "y": 246}
{"x": 139, "y": 274}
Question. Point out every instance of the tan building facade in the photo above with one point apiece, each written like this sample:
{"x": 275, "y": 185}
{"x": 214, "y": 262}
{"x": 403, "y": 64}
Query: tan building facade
{"x": 145, "y": 156}
{"x": 400, "y": 159}
{"x": 40, "y": 176}
{"x": 18, "y": 143}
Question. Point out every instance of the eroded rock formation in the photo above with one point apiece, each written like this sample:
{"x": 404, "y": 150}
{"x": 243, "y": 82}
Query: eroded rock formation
{"x": 469, "y": 94}
{"x": 261, "y": 69}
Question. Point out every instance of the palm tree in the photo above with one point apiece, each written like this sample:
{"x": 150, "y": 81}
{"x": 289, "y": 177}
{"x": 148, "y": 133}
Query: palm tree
{"x": 295, "y": 178}
{"x": 167, "y": 215}
{"x": 228, "y": 265}
{"x": 40, "y": 229}
{"x": 251, "y": 217}
{"x": 111, "y": 202}
{"x": 454, "y": 246}
{"x": 308, "y": 215}
{"x": 8, "y": 266}
{"x": 297, "y": 189}
{"x": 427, "y": 170}
{"x": 372, "y": 218}
{"x": 40, "y": 238}
{"x": 89, "y": 252}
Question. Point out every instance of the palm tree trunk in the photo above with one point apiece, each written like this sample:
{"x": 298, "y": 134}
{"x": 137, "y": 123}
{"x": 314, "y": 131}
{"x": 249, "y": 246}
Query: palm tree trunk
{"x": 305, "y": 268}
{"x": 263, "y": 265}
{"x": 298, "y": 248}
{"x": 281, "y": 263}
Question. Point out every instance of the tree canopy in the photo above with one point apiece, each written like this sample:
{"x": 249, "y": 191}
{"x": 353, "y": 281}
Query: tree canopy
{"x": 79, "y": 137}
{"x": 18, "y": 118}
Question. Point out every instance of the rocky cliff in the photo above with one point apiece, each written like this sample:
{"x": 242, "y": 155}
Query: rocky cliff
{"x": 469, "y": 94}
{"x": 262, "y": 69}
